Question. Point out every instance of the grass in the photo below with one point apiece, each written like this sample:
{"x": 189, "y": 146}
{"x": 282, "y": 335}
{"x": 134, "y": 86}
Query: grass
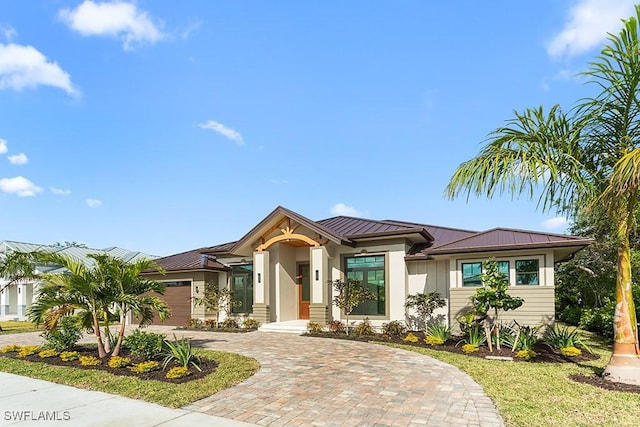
{"x": 541, "y": 394}
{"x": 232, "y": 369}
{"x": 14, "y": 327}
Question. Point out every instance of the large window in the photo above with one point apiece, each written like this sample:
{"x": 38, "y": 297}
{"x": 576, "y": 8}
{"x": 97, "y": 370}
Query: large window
{"x": 242, "y": 288}
{"x": 369, "y": 270}
{"x": 471, "y": 274}
{"x": 527, "y": 272}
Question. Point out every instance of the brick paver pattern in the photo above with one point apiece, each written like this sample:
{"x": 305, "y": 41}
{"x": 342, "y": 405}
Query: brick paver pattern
{"x": 306, "y": 381}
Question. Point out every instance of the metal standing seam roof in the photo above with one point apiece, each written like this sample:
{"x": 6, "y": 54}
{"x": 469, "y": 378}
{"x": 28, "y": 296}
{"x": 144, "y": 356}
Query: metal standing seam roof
{"x": 189, "y": 260}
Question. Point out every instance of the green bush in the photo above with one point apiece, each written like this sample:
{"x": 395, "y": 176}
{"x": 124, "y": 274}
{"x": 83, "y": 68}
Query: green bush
{"x": 599, "y": 319}
{"x": 64, "y": 336}
{"x": 439, "y": 333}
{"x": 395, "y": 328}
{"x": 68, "y": 356}
{"x": 528, "y": 337}
{"x": 250, "y": 323}
{"x": 571, "y": 314}
{"x": 560, "y": 337}
{"x": 180, "y": 352}
{"x": 147, "y": 345}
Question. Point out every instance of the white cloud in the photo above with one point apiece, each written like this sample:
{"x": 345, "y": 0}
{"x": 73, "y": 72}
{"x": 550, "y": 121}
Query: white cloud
{"x": 20, "y": 186}
{"x": 60, "y": 191}
{"x": 18, "y": 159}
{"x": 342, "y": 209}
{"x": 3, "y": 146}
{"x": 113, "y": 19}
{"x": 93, "y": 203}
{"x": 25, "y": 67}
{"x": 588, "y": 25}
{"x": 557, "y": 223}
{"x": 8, "y": 32}
{"x": 223, "y": 130}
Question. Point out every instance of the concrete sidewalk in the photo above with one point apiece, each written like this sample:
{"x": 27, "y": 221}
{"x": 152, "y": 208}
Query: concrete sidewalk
{"x": 30, "y": 402}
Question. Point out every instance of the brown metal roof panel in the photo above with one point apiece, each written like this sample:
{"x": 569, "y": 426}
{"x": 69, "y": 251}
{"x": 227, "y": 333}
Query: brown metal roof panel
{"x": 190, "y": 260}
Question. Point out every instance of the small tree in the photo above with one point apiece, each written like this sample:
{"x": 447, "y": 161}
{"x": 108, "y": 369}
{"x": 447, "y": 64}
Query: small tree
{"x": 350, "y": 294}
{"x": 425, "y": 304}
{"x": 493, "y": 295}
{"x": 216, "y": 300}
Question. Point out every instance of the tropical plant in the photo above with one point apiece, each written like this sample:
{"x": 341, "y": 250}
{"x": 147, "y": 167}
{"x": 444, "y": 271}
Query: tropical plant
{"x": 148, "y": 345}
{"x": 425, "y": 305}
{"x": 560, "y": 337}
{"x": 493, "y": 295}
{"x": 179, "y": 351}
{"x": 336, "y": 326}
{"x": 527, "y": 337}
{"x": 364, "y": 328}
{"x": 16, "y": 267}
{"x": 230, "y": 323}
{"x": 395, "y": 328}
{"x": 588, "y": 158}
{"x": 440, "y": 331}
{"x": 217, "y": 300}
{"x": 63, "y": 337}
{"x": 475, "y": 336}
{"x": 350, "y": 294}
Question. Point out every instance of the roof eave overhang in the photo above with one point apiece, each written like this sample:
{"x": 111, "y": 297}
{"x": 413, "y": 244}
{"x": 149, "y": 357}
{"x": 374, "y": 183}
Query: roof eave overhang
{"x": 578, "y": 244}
{"x": 415, "y": 235}
{"x": 186, "y": 270}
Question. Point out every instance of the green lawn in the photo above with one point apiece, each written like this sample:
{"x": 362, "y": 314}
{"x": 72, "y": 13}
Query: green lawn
{"x": 12, "y": 327}
{"x": 232, "y": 369}
{"x": 541, "y": 394}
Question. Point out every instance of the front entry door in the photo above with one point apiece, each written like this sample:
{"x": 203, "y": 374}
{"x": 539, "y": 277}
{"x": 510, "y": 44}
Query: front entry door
{"x": 304, "y": 291}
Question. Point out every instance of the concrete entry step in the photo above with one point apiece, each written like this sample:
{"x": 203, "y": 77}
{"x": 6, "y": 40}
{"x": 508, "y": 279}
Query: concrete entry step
{"x": 289, "y": 326}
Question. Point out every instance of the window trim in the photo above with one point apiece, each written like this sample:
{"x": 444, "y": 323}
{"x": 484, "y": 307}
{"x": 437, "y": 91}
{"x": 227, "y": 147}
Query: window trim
{"x": 541, "y": 258}
{"x": 343, "y": 276}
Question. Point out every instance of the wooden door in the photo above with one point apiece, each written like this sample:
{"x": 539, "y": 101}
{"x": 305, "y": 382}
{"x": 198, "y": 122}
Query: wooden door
{"x": 304, "y": 291}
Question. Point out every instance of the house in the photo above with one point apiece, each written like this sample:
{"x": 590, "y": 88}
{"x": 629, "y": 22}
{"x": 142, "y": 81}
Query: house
{"x": 282, "y": 268}
{"x": 15, "y": 299}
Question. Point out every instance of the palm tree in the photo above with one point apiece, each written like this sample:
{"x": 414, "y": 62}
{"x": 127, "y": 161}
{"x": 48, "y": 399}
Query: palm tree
{"x": 586, "y": 159}
{"x": 132, "y": 293}
{"x": 80, "y": 288}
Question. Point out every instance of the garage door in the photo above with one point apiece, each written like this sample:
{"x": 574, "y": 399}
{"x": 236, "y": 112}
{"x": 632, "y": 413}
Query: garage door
{"x": 177, "y": 295}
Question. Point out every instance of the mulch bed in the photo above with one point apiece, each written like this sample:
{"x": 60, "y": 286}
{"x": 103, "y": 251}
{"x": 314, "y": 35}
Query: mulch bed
{"x": 598, "y": 381}
{"x": 545, "y": 354}
{"x": 206, "y": 365}
{"x": 206, "y": 329}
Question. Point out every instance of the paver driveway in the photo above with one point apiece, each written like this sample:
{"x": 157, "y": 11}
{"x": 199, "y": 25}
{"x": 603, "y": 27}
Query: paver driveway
{"x": 314, "y": 381}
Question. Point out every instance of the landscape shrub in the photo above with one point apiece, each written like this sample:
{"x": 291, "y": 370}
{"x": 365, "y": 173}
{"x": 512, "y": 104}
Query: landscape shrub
{"x": 570, "y": 351}
{"x": 64, "y": 336}
{"x": 433, "y": 340}
{"x": 314, "y": 327}
{"x": 560, "y": 337}
{"x": 410, "y": 338}
{"x": 12, "y": 348}
{"x": 230, "y": 323}
{"x": 144, "y": 367}
{"x": 599, "y": 320}
{"x": 180, "y": 352}
{"x": 68, "y": 356}
{"x": 28, "y": 350}
{"x": 210, "y": 323}
{"x": 528, "y": 337}
{"x": 250, "y": 323}
{"x": 439, "y": 332}
{"x": 395, "y": 328}
{"x": 89, "y": 361}
{"x": 475, "y": 335}
{"x": 526, "y": 354}
{"x": 571, "y": 314}
{"x": 470, "y": 348}
{"x": 119, "y": 362}
{"x": 177, "y": 372}
{"x": 194, "y": 323}
{"x": 336, "y": 326}
{"x": 148, "y": 345}
{"x": 364, "y": 328}
{"x": 48, "y": 353}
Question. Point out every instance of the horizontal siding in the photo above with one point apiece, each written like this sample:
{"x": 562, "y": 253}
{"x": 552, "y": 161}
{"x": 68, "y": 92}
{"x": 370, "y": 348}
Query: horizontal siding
{"x": 538, "y": 307}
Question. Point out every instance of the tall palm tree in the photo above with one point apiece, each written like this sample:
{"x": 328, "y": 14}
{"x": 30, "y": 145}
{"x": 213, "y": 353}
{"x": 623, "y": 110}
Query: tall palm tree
{"x": 81, "y": 288}
{"x": 132, "y": 293}
{"x": 586, "y": 159}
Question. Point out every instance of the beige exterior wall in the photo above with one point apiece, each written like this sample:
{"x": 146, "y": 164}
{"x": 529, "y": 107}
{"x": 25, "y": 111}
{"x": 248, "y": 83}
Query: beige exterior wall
{"x": 538, "y": 307}
{"x": 426, "y": 277}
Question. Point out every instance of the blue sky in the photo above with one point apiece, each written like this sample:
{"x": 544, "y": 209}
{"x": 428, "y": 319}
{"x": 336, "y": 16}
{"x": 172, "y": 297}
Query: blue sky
{"x": 164, "y": 126}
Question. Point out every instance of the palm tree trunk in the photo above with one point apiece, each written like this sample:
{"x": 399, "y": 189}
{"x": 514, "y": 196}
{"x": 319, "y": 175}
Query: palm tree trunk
{"x": 123, "y": 322}
{"x": 624, "y": 365}
{"x": 96, "y": 327}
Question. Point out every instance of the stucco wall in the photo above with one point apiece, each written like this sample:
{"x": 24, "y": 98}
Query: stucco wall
{"x": 426, "y": 277}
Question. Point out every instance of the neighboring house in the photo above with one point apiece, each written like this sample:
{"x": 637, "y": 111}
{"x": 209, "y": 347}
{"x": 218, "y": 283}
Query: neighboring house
{"x": 15, "y": 299}
{"x": 282, "y": 268}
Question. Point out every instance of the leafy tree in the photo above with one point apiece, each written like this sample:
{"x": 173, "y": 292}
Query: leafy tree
{"x": 350, "y": 294}
{"x": 587, "y": 158}
{"x": 16, "y": 267}
{"x": 493, "y": 295}
{"x": 425, "y": 304}
{"x": 217, "y": 300}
